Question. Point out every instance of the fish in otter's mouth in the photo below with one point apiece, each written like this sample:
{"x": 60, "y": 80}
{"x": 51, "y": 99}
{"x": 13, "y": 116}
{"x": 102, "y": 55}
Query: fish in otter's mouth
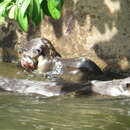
{"x": 28, "y": 63}
{"x": 28, "y": 58}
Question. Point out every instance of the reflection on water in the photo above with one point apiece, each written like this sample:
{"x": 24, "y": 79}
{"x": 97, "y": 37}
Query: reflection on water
{"x": 12, "y": 71}
{"x": 63, "y": 113}
{"x": 8, "y": 69}
{"x": 20, "y": 112}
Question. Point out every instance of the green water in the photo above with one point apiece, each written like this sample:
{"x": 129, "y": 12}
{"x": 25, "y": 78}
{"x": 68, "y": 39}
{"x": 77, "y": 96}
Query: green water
{"x": 70, "y": 113}
{"x": 20, "y": 112}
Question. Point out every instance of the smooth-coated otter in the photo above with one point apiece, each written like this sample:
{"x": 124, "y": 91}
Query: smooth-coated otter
{"x": 74, "y": 69}
{"x": 40, "y": 55}
{"x": 54, "y": 88}
{"x": 70, "y": 66}
{"x": 32, "y": 49}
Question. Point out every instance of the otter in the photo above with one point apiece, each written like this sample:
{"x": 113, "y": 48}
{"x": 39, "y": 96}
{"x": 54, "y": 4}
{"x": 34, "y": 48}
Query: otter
{"x": 55, "y": 88}
{"x": 39, "y": 54}
{"x": 32, "y": 49}
{"x": 71, "y": 66}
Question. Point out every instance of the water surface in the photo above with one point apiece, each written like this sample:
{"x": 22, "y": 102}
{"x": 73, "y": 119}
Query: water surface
{"x": 20, "y": 112}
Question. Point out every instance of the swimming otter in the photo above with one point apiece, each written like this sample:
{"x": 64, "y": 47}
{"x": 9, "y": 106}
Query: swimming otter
{"x": 71, "y": 66}
{"x": 40, "y": 55}
{"x": 73, "y": 69}
{"x": 54, "y": 88}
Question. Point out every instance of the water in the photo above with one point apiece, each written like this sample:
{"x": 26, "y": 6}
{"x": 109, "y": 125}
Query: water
{"x": 20, "y": 112}
{"x": 63, "y": 113}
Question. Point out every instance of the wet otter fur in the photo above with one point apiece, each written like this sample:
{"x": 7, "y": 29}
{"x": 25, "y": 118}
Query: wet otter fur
{"x": 74, "y": 69}
{"x": 54, "y": 88}
{"x": 71, "y": 66}
{"x": 39, "y": 46}
{"x": 32, "y": 49}
{"x": 40, "y": 54}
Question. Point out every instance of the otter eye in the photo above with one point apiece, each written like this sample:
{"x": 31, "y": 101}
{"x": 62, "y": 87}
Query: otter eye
{"x": 36, "y": 51}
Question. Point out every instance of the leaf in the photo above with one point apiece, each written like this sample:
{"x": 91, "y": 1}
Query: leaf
{"x": 12, "y": 12}
{"x": 36, "y": 7}
{"x": 3, "y": 6}
{"x": 21, "y": 14}
{"x": 40, "y": 1}
{"x": 16, "y": 13}
{"x": 24, "y": 6}
{"x": 22, "y": 21}
{"x": 19, "y": 3}
{"x": 24, "y": 10}
{"x": 36, "y": 16}
{"x": 30, "y": 9}
{"x": 45, "y": 7}
{"x": 39, "y": 17}
{"x": 55, "y": 7}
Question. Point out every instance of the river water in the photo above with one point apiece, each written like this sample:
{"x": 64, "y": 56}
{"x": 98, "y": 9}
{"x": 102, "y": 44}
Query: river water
{"x": 20, "y": 112}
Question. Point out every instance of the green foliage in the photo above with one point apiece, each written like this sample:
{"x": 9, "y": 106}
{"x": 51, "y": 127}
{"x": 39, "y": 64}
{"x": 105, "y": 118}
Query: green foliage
{"x": 24, "y": 11}
{"x": 54, "y": 7}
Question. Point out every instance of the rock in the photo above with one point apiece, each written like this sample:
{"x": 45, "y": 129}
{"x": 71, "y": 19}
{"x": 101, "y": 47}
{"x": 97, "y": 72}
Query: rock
{"x": 98, "y": 30}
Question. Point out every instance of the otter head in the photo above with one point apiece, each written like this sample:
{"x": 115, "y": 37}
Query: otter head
{"x": 28, "y": 58}
{"x": 34, "y": 48}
